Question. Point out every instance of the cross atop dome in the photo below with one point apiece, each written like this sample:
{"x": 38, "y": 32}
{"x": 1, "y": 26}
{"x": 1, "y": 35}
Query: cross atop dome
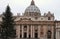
{"x": 32, "y": 2}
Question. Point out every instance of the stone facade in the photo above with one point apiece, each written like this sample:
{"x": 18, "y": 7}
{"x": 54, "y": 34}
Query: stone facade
{"x": 58, "y": 30}
{"x": 33, "y": 25}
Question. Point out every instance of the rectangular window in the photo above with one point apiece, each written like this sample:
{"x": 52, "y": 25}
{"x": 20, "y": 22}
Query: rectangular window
{"x": 49, "y": 18}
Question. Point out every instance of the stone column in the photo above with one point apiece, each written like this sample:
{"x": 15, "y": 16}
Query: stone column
{"x": 57, "y": 34}
{"x": 22, "y": 31}
{"x": 18, "y": 31}
{"x": 27, "y": 31}
{"x": 31, "y": 31}
{"x": 38, "y": 31}
{"x": 52, "y": 32}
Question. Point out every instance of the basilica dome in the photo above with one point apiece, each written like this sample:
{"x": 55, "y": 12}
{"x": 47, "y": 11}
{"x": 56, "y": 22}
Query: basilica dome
{"x": 32, "y": 8}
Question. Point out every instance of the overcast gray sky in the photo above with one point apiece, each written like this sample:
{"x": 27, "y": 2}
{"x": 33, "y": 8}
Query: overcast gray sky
{"x": 19, "y": 6}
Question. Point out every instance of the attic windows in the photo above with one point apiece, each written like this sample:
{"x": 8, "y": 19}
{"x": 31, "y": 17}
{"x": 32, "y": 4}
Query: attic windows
{"x": 49, "y": 18}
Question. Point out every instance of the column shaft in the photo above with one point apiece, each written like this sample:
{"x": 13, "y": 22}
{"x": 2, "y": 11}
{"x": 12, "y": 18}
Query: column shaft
{"x": 38, "y": 31}
{"x": 22, "y": 31}
{"x": 18, "y": 31}
{"x": 27, "y": 31}
{"x": 31, "y": 31}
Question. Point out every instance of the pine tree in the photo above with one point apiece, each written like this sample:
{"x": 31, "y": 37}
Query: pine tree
{"x": 7, "y": 25}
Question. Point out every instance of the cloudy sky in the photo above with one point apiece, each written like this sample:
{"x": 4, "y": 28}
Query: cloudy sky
{"x": 19, "y": 6}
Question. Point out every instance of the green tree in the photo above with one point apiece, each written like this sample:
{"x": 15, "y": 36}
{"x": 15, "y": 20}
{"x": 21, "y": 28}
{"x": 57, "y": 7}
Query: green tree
{"x": 7, "y": 25}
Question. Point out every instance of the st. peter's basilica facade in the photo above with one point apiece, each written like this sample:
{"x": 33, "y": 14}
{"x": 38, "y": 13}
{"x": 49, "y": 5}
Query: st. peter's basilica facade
{"x": 33, "y": 25}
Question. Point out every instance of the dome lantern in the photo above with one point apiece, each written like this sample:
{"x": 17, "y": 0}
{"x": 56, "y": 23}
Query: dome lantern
{"x": 32, "y": 2}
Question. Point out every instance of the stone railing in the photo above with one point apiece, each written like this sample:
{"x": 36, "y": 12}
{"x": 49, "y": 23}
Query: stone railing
{"x": 22, "y": 38}
{"x": 26, "y": 38}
